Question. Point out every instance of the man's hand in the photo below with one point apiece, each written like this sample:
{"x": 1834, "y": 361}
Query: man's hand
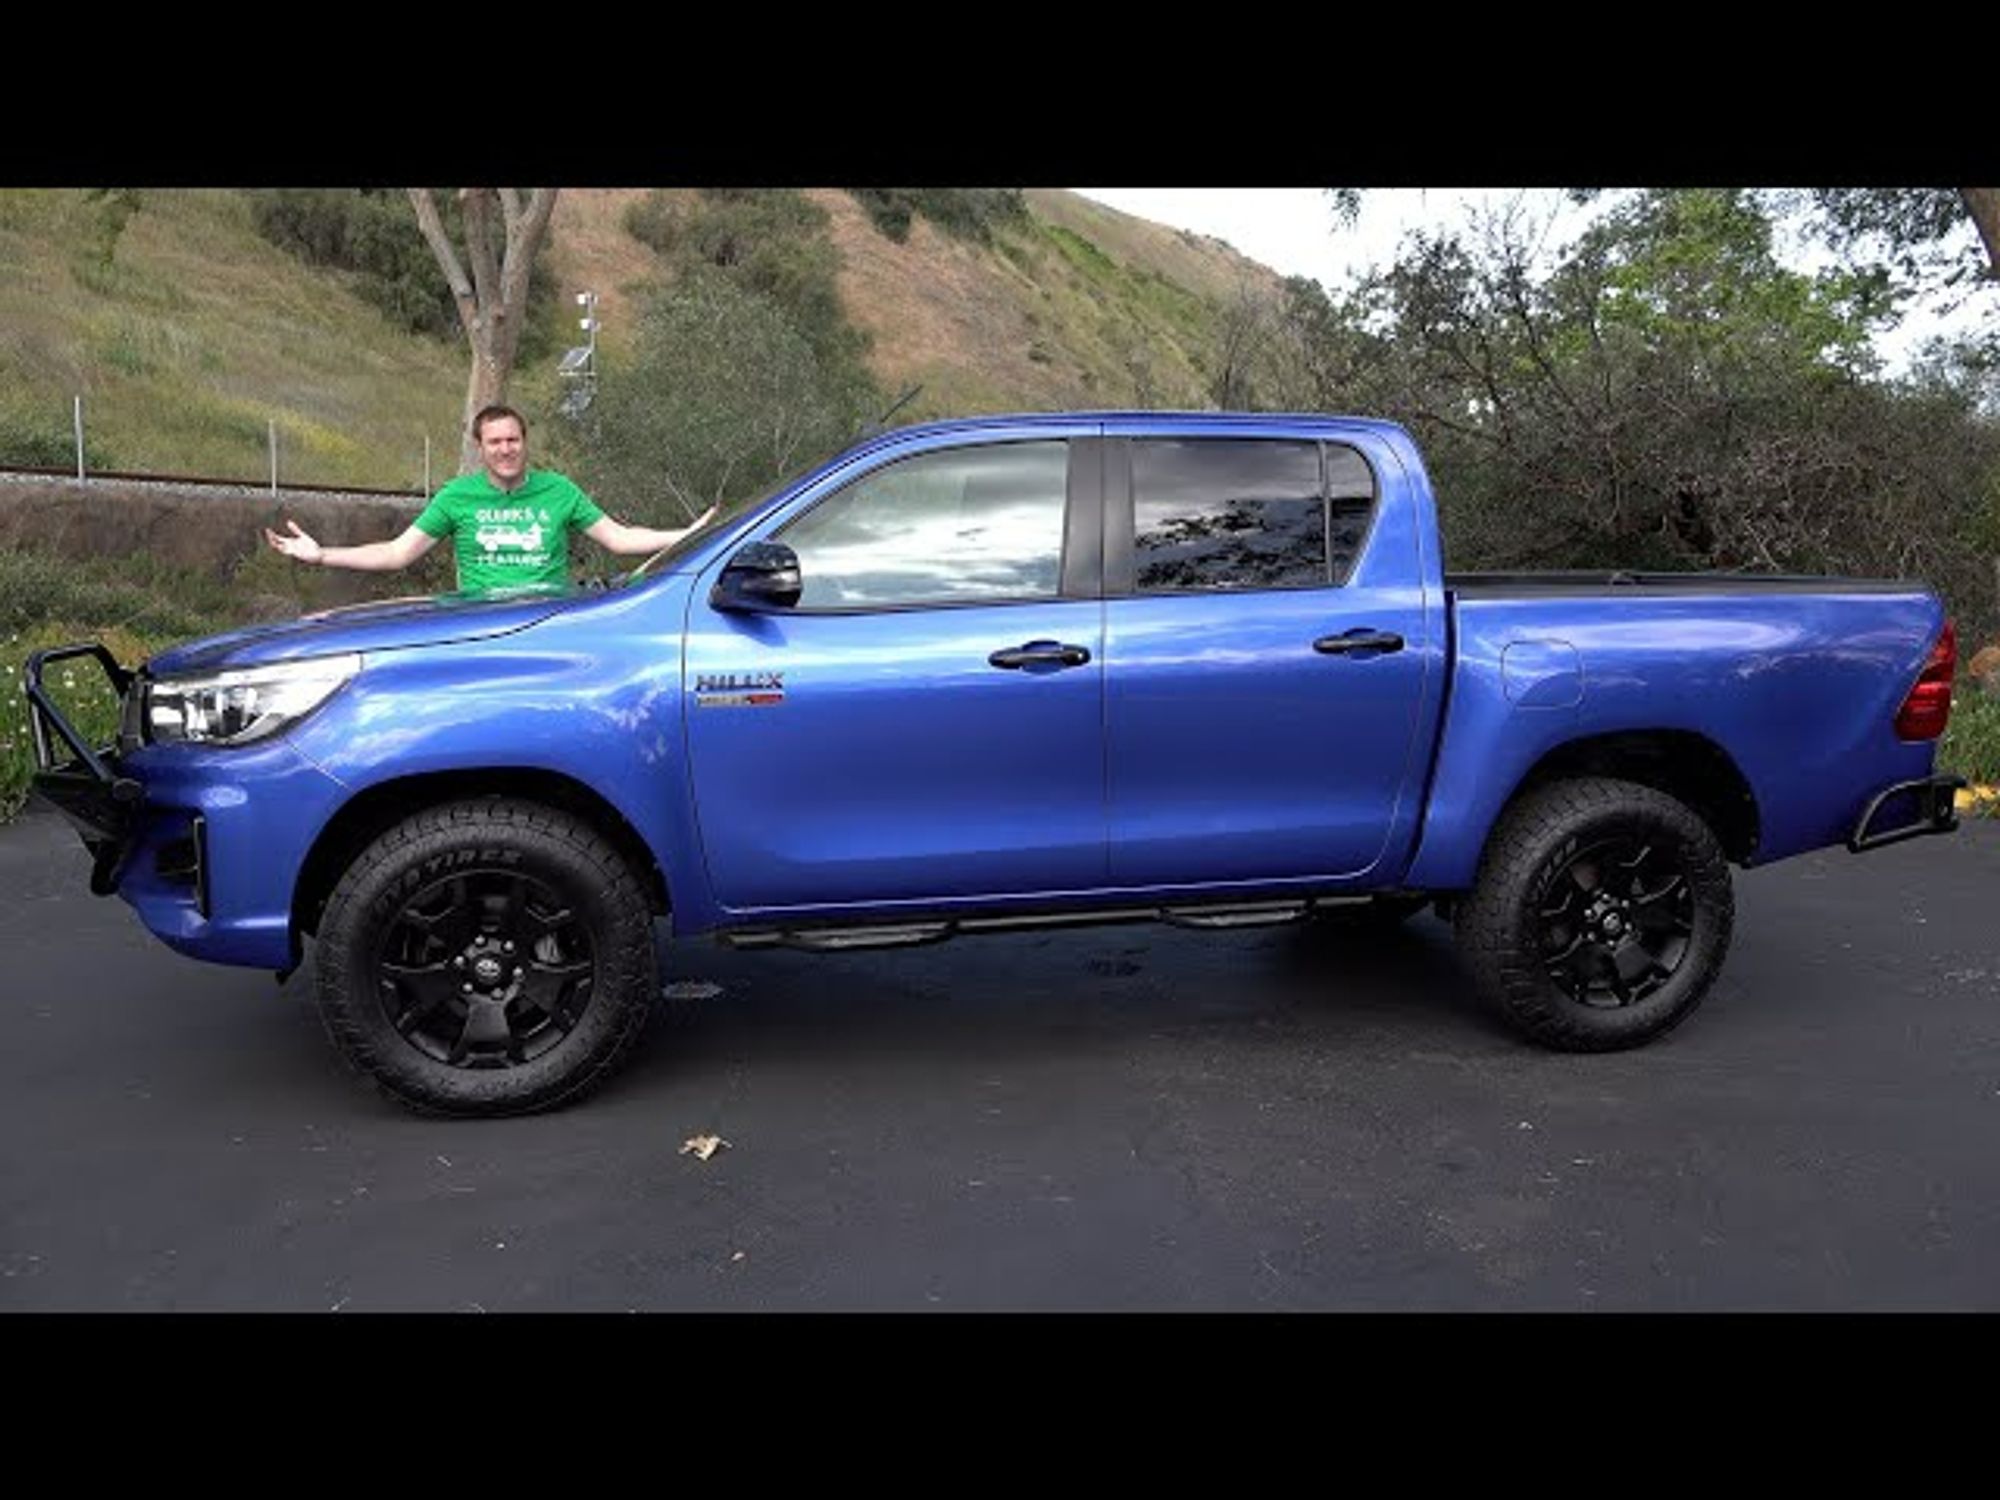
{"x": 298, "y": 544}
{"x": 703, "y": 519}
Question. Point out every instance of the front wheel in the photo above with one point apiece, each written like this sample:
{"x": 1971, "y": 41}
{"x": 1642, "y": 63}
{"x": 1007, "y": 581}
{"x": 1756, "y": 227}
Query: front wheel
{"x": 1600, "y": 916}
{"x": 490, "y": 957}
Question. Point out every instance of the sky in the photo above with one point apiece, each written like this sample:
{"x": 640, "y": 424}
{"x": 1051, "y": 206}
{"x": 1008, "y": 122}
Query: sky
{"x": 1293, "y": 231}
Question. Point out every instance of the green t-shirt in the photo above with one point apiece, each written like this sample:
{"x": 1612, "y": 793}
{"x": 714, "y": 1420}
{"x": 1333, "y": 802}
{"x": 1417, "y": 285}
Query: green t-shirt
{"x": 509, "y": 539}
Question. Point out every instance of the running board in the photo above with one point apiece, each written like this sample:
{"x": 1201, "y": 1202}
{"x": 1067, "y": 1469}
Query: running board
{"x": 834, "y": 939}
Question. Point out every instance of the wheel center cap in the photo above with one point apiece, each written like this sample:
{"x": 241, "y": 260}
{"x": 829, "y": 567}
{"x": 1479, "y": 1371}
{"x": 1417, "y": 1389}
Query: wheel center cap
{"x": 486, "y": 969}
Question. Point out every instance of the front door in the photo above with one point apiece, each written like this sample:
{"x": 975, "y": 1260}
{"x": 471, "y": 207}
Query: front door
{"x": 926, "y": 724}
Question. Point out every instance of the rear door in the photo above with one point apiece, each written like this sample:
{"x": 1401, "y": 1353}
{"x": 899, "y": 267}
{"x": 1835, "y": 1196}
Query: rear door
{"x": 927, "y": 723}
{"x": 1264, "y": 691}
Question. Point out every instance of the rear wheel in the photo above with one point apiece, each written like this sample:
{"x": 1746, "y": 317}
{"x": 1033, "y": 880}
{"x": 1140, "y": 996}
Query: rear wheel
{"x": 1600, "y": 917}
{"x": 486, "y": 958}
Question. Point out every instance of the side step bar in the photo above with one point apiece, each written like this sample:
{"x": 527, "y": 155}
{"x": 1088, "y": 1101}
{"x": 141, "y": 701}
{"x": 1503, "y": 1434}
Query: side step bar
{"x": 836, "y": 939}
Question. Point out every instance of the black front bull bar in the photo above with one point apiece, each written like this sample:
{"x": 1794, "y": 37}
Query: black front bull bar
{"x": 99, "y": 803}
{"x": 1936, "y": 799}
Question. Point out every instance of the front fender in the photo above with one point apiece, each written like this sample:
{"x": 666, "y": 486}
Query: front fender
{"x": 593, "y": 696}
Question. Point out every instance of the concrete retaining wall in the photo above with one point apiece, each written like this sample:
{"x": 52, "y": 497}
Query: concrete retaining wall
{"x": 211, "y": 530}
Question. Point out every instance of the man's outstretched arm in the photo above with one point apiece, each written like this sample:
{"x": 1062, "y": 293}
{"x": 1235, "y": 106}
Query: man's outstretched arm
{"x": 632, "y": 541}
{"x": 369, "y": 557}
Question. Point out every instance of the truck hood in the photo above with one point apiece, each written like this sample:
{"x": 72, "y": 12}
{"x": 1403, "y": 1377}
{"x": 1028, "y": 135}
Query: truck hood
{"x": 386, "y": 625}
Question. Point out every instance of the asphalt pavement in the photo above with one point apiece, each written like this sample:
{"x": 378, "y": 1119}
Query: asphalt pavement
{"x": 1132, "y": 1118}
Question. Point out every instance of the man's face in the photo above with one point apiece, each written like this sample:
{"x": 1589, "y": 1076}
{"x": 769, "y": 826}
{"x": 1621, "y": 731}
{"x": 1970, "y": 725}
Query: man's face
{"x": 504, "y": 451}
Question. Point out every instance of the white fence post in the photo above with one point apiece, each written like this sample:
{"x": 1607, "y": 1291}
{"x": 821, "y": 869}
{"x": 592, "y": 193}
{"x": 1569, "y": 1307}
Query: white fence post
{"x": 79, "y": 439}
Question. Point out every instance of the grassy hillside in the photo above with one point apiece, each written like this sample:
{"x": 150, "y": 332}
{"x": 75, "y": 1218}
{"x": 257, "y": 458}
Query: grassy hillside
{"x": 188, "y": 336}
{"x": 1079, "y": 306}
{"x": 1045, "y": 318}
{"x": 193, "y": 336}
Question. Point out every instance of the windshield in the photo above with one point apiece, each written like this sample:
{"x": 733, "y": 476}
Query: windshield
{"x": 663, "y": 560}
{"x": 655, "y": 563}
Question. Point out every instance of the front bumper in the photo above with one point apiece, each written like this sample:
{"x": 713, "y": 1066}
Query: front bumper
{"x": 1924, "y": 806}
{"x": 100, "y": 804}
{"x": 205, "y": 845}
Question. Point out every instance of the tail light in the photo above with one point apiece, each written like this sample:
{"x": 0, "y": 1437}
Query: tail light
{"x": 1928, "y": 708}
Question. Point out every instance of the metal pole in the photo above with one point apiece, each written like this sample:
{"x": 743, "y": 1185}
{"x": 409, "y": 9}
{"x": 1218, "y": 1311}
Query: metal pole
{"x": 79, "y": 440}
{"x": 274, "y": 456}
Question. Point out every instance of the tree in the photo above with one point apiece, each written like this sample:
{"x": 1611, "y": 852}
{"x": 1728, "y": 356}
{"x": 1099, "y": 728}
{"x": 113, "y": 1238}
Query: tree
{"x": 493, "y": 300}
{"x": 1913, "y": 222}
{"x": 114, "y": 209}
{"x": 1242, "y": 328}
{"x": 1668, "y": 395}
{"x": 726, "y": 395}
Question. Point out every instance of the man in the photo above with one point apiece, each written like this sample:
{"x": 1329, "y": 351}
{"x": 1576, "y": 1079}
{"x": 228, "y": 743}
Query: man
{"x": 511, "y": 523}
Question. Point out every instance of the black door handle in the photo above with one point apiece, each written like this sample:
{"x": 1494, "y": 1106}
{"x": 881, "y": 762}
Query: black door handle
{"x": 1357, "y": 641}
{"x": 1040, "y": 654}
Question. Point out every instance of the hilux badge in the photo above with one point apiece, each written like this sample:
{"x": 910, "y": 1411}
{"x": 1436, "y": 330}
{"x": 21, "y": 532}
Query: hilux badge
{"x": 739, "y": 689}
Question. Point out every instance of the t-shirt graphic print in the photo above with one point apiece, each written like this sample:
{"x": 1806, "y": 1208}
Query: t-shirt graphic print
{"x": 509, "y": 539}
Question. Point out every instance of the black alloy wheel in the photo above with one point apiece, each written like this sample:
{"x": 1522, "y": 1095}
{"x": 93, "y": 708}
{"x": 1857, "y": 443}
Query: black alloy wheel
{"x": 489, "y": 957}
{"x": 489, "y": 969}
{"x": 1600, "y": 916}
{"x": 1616, "y": 920}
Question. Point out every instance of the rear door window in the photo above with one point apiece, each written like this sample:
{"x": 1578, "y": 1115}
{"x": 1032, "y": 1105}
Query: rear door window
{"x": 1214, "y": 514}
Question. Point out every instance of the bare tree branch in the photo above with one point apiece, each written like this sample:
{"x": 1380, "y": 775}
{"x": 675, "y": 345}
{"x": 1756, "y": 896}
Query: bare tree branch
{"x": 493, "y": 302}
{"x": 440, "y": 243}
{"x": 478, "y": 206}
{"x": 524, "y": 233}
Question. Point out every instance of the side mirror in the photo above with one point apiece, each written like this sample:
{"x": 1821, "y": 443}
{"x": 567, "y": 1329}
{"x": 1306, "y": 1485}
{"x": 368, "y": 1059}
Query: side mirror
{"x": 762, "y": 576}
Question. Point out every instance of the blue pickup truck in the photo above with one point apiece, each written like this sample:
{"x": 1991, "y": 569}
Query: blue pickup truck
{"x": 981, "y": 675}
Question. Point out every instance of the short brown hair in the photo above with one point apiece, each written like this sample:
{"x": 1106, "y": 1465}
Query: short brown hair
{"x": 494, "y": 414}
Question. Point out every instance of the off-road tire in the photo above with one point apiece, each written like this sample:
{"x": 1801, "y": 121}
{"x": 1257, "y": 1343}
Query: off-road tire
{"x": 455, "y": 883}
{"x": 1534, "y": 900}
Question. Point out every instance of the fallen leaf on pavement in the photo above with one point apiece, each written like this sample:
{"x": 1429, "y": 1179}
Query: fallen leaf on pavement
{"x": 702, "y": 1146}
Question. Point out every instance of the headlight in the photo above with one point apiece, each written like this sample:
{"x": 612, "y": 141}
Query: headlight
{"x": 234, "y": 708}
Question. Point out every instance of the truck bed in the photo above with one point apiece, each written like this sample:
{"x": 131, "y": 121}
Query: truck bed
{"x": 1783, "y": 689}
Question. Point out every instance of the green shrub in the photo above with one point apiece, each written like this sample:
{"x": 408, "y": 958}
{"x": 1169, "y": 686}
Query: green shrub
{"x": 654, "y": 221}
{"x": 889, "y": 210}
{"x": 80, "y": 689}
{"x": 968, "y": 213}
{"x": 770, "y": 242}
{"x": 46, "y": 442}
{"x": 725, "y": 395}
{"x": 372, "y": 233}
{"x": 972, "y": 213}
{"x": 1971, "y": 743}
{"x": 135, "y": 593}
